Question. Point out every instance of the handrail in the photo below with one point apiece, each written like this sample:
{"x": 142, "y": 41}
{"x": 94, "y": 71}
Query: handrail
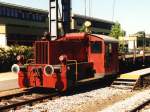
{"x": 76, "y": 72}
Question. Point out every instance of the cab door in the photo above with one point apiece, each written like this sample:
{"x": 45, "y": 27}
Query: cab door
{"x": 96, "y": 55}
{"x": 111, "y": 58}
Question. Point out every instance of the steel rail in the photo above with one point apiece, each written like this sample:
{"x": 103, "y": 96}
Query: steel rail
{"x": 139, "y": 107}
{"x": 24, "y": 101}
{"x": 13, "y": 95}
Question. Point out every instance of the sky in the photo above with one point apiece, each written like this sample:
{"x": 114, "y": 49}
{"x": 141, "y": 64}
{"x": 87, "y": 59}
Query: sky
{"x": 133, "y": 15}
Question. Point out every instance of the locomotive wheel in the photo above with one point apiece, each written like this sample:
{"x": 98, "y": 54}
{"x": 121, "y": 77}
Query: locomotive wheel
{"x": 59, "y": 86}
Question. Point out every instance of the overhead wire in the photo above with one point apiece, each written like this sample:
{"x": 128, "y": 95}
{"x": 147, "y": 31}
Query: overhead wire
{"x": 113, "y": 9}
{"x": 85, "y": 8}
{"x": 90, "y": 7}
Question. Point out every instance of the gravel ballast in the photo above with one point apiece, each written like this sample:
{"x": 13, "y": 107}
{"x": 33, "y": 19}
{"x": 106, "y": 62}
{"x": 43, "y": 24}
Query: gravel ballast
{"x": 78, "y": 102}
{"x": 101, "y": 100}
{"x": 130, "y": 103}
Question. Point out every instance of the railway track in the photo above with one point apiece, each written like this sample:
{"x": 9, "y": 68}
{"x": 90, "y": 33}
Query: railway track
{"x": 29, "y": 97}
{"x": 140, "y": 107}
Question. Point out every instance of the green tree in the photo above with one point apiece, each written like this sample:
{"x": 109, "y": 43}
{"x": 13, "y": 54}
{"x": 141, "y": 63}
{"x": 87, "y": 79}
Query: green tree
{"x": 116, "y": 31}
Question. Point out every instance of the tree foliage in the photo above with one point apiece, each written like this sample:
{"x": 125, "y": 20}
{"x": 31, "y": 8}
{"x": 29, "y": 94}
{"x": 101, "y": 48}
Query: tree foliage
{"x": 8, "y": 56}
{"x": 141, "y": 34}
{"x": 116, "y": 31}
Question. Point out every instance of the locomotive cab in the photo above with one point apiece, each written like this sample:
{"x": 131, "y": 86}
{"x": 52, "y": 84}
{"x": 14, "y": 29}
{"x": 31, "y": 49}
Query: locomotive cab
{"x": 74, "y": 57}
{"x": 103, "y": 53}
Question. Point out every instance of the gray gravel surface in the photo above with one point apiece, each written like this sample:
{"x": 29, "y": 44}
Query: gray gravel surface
{"x": 130, "y": 103}
{"x": 82, "y": 102}
{"x": 75, "y": 102}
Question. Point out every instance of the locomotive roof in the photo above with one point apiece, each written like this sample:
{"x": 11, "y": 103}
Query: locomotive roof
{"x": 106, "y": 38}
{"x": 80, "y": 36}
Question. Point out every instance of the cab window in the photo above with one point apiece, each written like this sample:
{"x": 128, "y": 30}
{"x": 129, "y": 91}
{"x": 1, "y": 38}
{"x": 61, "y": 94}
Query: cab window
{"x": 96, "y": 47}
{"x": 108, "y": 54}
{"x": 110, "y": 48}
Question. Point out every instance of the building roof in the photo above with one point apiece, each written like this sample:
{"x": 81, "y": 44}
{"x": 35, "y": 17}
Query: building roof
{"x": 22, "y": 7}
{"x": 92, "y": 18}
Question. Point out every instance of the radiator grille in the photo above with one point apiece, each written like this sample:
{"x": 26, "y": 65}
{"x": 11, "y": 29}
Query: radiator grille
{"x": 41, "y": 52}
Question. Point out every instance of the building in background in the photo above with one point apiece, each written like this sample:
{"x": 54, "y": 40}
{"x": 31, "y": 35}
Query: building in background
{"x": 21, "y": 25}
{"x": 135, "y": 42}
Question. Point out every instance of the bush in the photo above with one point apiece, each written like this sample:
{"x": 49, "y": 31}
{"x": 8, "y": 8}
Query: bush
{"x": 8, "y": 56}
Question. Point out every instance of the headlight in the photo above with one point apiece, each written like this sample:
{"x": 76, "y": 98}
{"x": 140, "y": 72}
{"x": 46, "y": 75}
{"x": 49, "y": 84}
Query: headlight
{"x": 15, "y": 68}
{"x": 48, "y": 70}
{"x": 63, "y": 58}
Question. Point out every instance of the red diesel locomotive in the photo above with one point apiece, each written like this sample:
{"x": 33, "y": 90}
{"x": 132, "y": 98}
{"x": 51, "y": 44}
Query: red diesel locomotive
{"x": 72, "y": 58}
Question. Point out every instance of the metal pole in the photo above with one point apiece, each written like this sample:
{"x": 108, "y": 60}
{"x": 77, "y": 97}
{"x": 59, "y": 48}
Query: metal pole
{"x": 49, "y": 14}
{"x": 134, "y": 54}
{"x": 57, "y": 19}
{"x": 144, "y": 49}
{"x": 89, "y": 7}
